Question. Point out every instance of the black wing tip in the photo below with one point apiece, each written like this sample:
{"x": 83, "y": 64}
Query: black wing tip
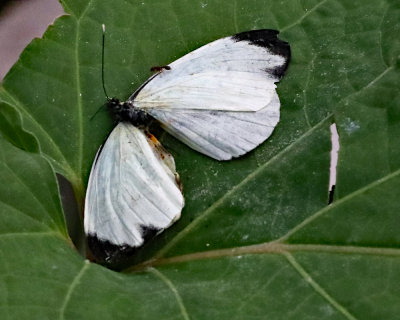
{"x": 108, "y": 253}
{"x": 268, "y": 38}
{"x": 115, "y": 256}
{"x": 256, "y": 35}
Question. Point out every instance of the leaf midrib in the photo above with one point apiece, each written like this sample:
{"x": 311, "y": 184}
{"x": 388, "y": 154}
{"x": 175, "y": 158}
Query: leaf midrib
{"x": 79, "y": 93}
{"x": 272, "y": 247}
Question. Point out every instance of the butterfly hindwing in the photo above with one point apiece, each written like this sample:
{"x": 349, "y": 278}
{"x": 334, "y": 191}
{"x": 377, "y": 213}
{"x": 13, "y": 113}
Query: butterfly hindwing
{"x": 133, "y": 191}
{"x": 220, "y": 134}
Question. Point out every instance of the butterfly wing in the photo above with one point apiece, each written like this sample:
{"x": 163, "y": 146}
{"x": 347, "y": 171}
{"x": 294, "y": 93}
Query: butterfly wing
{"x": 221, "y": 134}
{"x": 220, "y": 99}
{"x": 133, "y": 193}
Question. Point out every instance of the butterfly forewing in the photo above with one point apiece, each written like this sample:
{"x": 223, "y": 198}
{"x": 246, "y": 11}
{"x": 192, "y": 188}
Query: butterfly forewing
{"x": 220, "y": 99}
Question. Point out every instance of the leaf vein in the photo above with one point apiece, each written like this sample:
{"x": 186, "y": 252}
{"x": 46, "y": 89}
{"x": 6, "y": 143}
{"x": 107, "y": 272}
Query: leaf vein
{"x": 337, "y": 203}
{"x": 235, "y": 23}
{"x": 23, "y": 183}
{"x": 298, "y": 21}
{"x": 178, "y": 26}
{"x": 381, "y": 75}
{"x": 171, "y": 286}
{"x": 28, "y": 234}
{"x": 55, "y": 147}
{"x": 254, "y": 293}
{"x": 380, "y": 36}
{"x": 79, "y": 89}
{"x": 18, "y": 211}
{"x": 307, "y": 277}
{"x": 370, "y": 84}
{"x": 72, "y": 287}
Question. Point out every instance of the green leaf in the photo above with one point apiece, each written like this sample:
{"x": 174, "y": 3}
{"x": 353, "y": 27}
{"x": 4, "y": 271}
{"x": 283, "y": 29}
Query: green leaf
{"x": 10, "y": 123}
{"x": 256, "y": 239}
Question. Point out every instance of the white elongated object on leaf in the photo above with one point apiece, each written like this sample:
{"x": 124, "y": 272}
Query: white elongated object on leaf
{"x": 219, "y": 99}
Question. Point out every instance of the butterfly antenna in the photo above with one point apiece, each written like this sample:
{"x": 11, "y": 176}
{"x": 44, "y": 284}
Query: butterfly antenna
{"x": 102, "y": 72}
{"x": 102, "y": 61}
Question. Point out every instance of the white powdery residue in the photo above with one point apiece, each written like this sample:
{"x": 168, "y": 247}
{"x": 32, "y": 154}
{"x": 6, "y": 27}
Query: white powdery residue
{"x": 200, "y": 192}
{"x": 327, "y": 310}
{"x": 350, "y": 126}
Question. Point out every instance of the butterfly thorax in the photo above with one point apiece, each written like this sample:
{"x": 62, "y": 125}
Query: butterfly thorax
{"x": 126, "y": 111}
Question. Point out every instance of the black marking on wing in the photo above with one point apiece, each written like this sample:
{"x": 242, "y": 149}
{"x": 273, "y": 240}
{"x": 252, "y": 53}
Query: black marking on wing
{"x": 268, "y": 38}
{"x": 114, "y": 256}
{"x": 149, "y": 232}
{"x": 109, "y": 254}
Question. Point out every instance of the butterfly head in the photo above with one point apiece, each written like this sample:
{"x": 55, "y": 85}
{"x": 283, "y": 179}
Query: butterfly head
{"x": 126, "y": 111}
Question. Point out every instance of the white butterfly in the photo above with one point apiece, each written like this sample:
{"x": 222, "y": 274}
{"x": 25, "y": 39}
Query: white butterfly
{"x": 219, "y": 99}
